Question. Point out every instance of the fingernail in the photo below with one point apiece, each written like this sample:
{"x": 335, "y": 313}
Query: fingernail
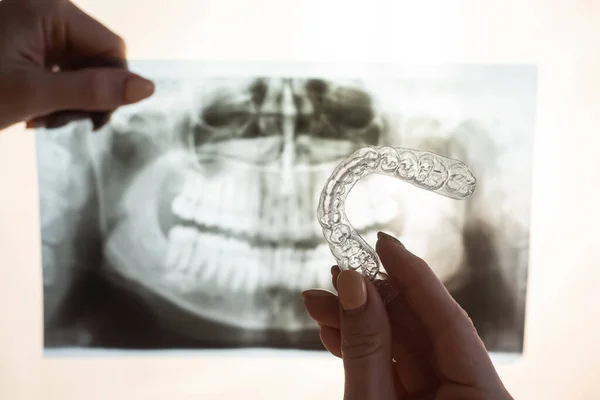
{"x": 137, "y": 89}
{"x": 335, "y": 269}
{"x": 352, "y": 290}
{"x": 312, "y": 293}
{"x": 385, "y": 236}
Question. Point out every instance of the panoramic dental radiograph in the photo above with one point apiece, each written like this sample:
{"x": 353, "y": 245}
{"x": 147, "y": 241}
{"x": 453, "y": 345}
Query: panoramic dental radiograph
{"x": 190, "y": 219}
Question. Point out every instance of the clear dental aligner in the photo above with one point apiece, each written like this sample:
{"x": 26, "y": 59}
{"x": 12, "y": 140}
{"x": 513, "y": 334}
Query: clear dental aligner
{"x": 425, "y": 170}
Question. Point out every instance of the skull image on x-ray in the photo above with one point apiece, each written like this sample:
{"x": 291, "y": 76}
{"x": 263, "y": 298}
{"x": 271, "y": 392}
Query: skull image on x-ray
{"x": 198, "y": 206}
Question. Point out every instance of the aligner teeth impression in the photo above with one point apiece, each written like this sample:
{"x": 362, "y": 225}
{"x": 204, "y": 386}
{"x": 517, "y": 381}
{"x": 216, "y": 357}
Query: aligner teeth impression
{"x": 425, "y": 170}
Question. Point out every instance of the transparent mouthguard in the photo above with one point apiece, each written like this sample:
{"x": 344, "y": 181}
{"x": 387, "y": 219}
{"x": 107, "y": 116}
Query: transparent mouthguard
{"x": 425, "y": 170}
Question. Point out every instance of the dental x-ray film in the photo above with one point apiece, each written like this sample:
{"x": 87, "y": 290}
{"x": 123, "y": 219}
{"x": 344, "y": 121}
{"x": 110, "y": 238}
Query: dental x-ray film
{"x": 189, "y": 221}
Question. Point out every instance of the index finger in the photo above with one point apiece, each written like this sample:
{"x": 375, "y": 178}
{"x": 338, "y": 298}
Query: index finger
{"x": 459, "y": 352}
{"x": 418, "y": 284}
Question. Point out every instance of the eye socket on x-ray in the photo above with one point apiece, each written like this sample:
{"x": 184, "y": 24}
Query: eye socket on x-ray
{"x": 425, "y": 170}
{"x": 245, "y": 110}
{"x": 350, "y": 107}
{"x": 344, "y": 106}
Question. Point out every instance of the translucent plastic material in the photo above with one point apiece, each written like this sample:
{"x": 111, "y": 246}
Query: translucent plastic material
{"x": 428, "y": 171}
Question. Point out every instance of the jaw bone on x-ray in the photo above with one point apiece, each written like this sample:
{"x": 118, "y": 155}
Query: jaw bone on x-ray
{"x": 190, "y": 221}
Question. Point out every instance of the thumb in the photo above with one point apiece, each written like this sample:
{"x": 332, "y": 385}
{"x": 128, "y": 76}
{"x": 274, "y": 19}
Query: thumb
{"x": 366, "y": 339}
{"x": 93, "y": 89}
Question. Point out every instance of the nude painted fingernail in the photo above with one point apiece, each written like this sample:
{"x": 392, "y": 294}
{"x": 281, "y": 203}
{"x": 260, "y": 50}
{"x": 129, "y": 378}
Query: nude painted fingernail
{"x": 352, "y": 290}
{"x": 385, "y": 236}
{"x": 312, "y": 293}
{"x": 137, "y": 89}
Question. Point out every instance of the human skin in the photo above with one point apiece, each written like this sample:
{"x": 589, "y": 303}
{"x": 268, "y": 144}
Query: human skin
{"x": 421, "y": 346}
{"x": 54, "y": 58}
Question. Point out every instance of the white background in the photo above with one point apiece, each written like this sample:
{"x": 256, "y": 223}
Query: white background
{"x": 562, "y": 350}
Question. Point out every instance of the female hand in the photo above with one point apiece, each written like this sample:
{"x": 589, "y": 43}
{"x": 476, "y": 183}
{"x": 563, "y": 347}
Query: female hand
{"x": 53, "y": 57}
{"x": 423, "y": 346}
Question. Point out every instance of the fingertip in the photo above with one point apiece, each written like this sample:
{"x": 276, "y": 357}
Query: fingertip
{"x": 314, "y": 298}
{"x": 323, "y": 307}
{"x": 396, "y": 258}
{"x": 387, "y": 243}
{"x": 390, "y": 238}
{"x": 138, "y": 89}
{"x": 331, "y": 339}
{"x": 315, "y": 293}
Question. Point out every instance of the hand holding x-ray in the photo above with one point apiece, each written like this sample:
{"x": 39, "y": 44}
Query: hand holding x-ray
{"x": 60, "y": 65}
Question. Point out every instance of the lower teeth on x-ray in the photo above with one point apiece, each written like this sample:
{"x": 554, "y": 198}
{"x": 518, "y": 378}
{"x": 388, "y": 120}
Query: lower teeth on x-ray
{"x": 189, "y": 221}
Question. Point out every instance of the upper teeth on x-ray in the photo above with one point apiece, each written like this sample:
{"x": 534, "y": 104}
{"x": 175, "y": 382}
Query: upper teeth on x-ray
{"x": 194, "y": 213}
